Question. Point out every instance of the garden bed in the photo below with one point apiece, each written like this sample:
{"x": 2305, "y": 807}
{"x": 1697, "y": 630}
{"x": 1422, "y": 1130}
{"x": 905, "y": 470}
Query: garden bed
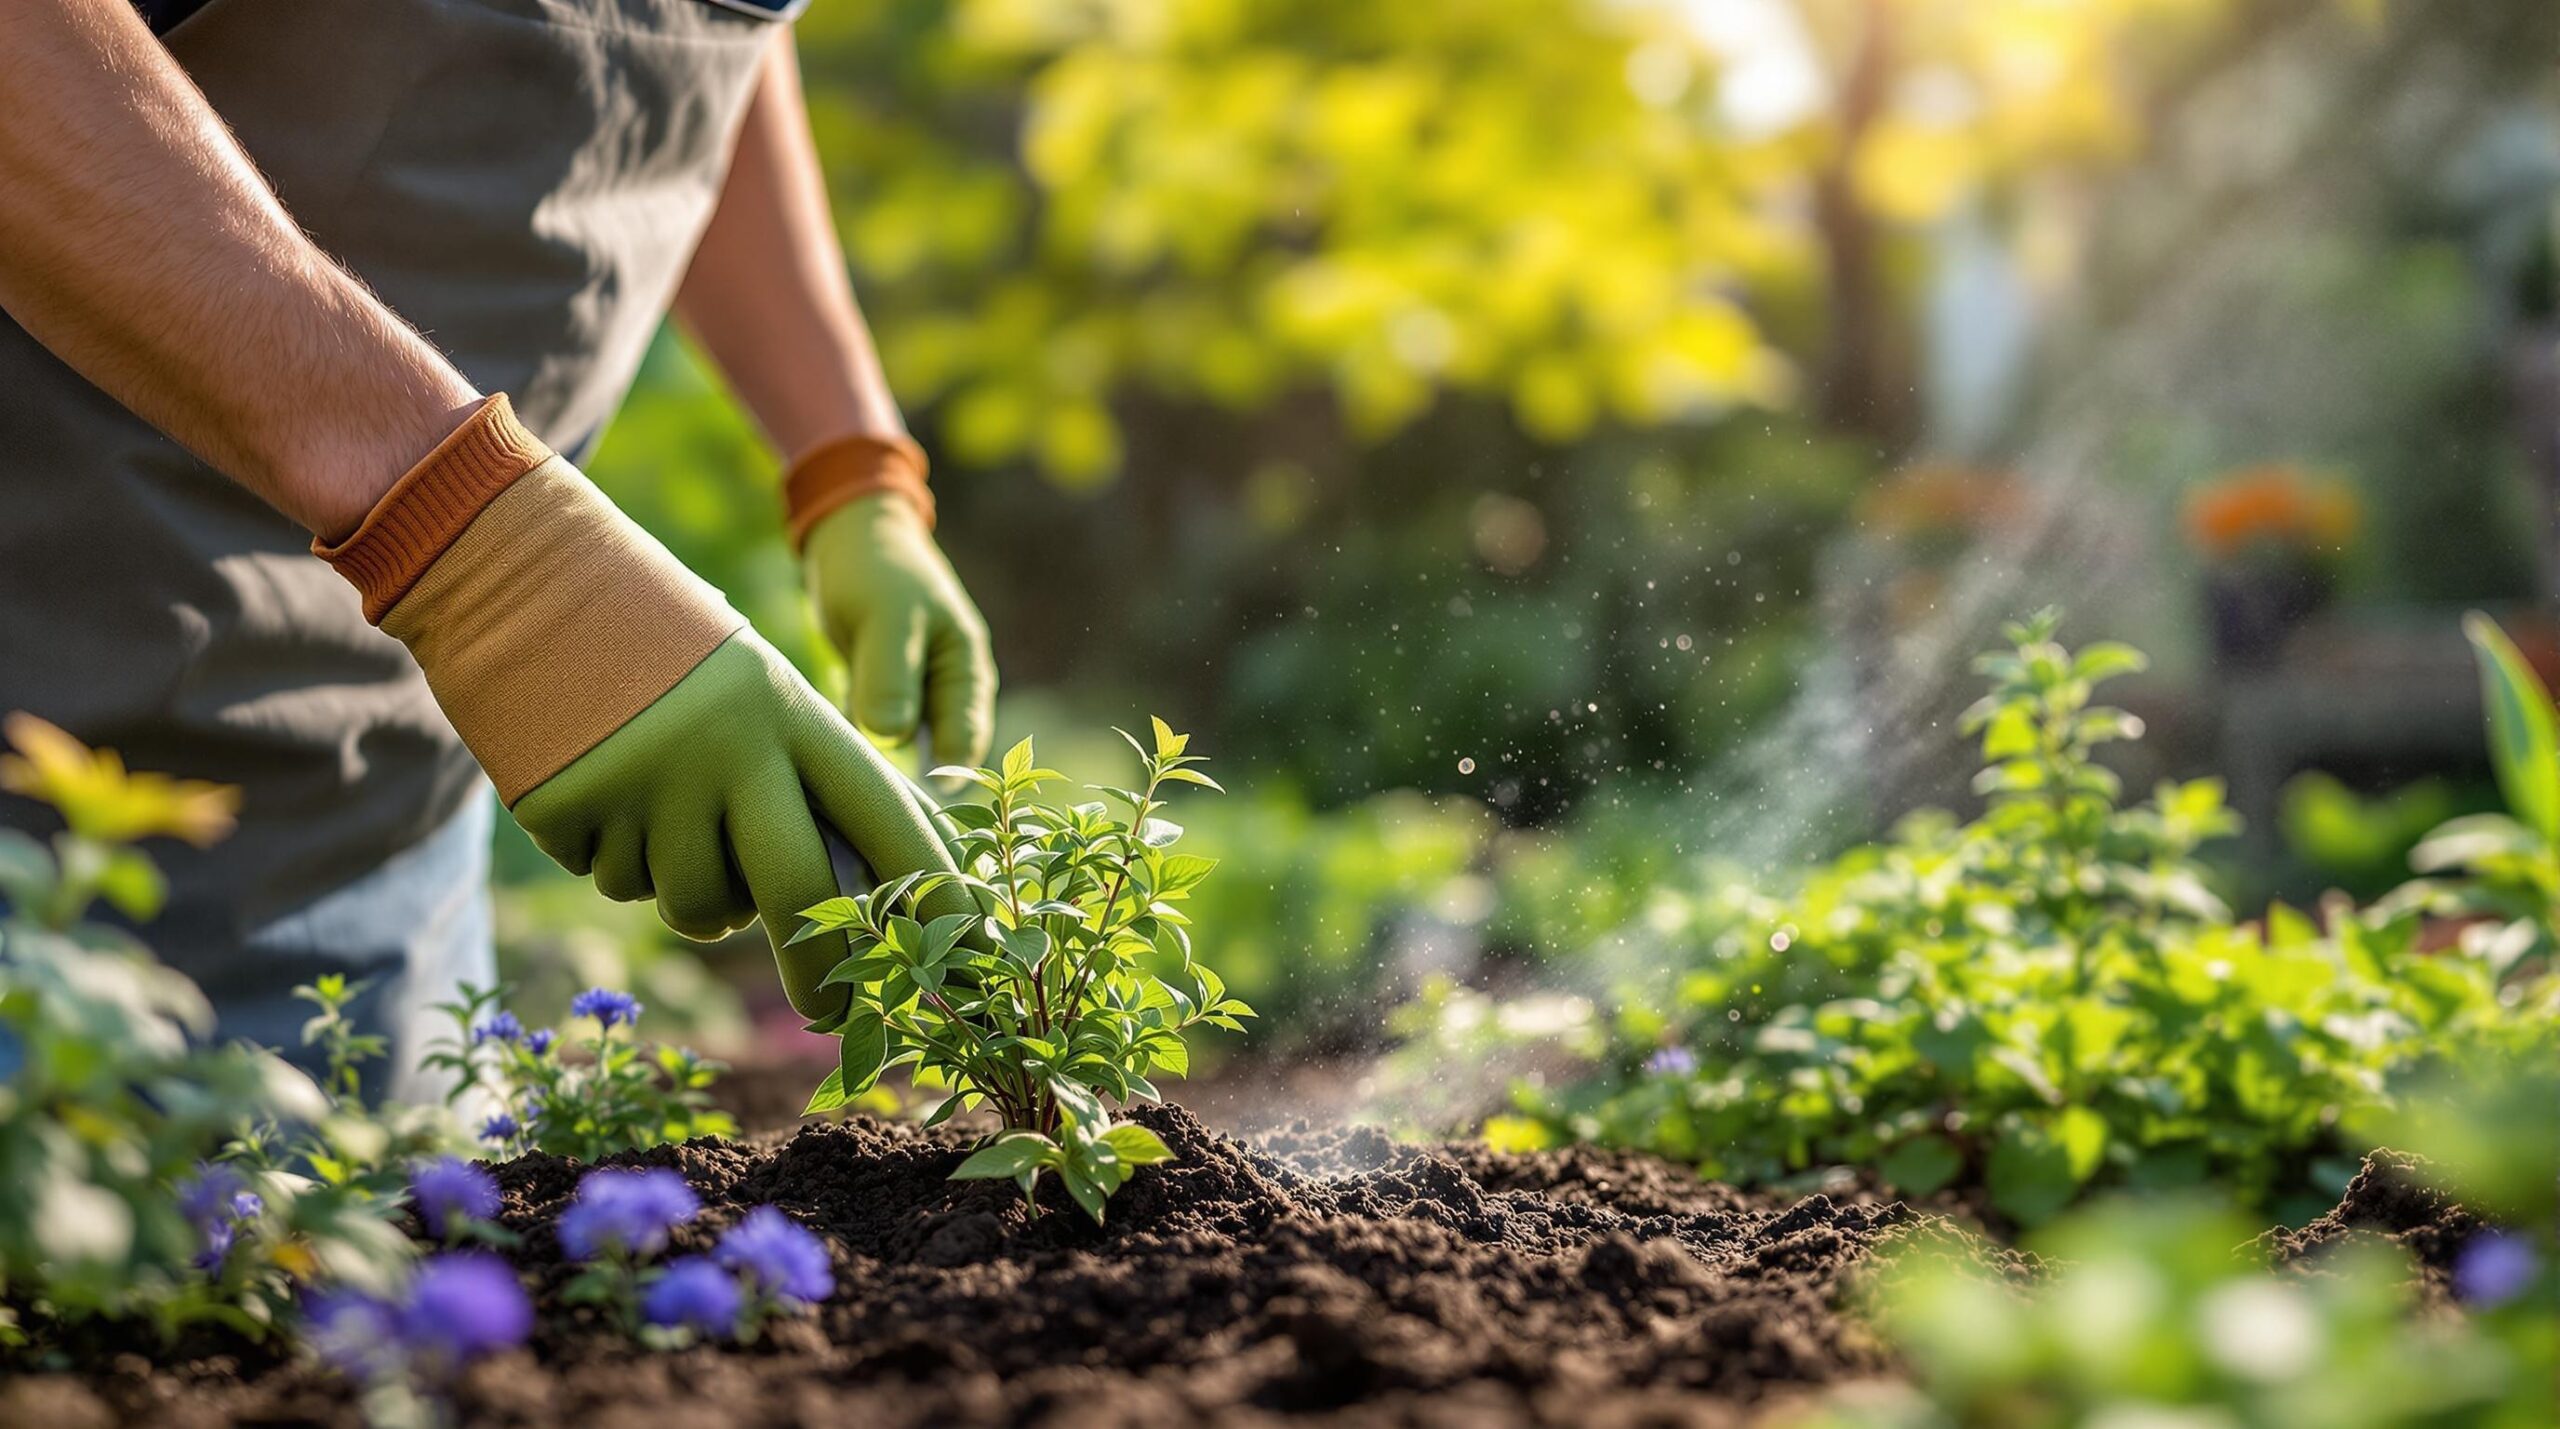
{"x": 1330, "y": 1274}
{"x": 1326, "y": 1275}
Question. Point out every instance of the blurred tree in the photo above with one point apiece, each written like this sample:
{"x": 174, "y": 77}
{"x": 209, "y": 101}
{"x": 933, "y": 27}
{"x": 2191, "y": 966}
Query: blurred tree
{"x": 1062, "y": 205}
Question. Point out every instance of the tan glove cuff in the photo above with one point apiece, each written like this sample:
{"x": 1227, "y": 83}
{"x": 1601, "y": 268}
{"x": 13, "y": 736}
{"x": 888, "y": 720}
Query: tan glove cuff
{"x": 428, "y": 508}
{"x": 847, "y": 470}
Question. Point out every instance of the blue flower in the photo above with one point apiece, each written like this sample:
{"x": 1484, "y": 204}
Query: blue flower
{"x": 625, "y": 1211}
{"x": 206, "y": 1197}
{"x": 538, "y": 1041}
{"x": 693, "y": 1294}
{"x": 217, "y": 1201}
{"x": 501, "y": 1127}
{"x": 462, "y": 1305}
{"x": 217, "y": 1248}
{"x": 355, "y": 1334}
{"x": 447, "y": 1190}
{"x": 1672, "y": 1062}
{"x": 2494, "y": 1268}
{"x": 606, "y": 1006}
{"x": 776, "y": 1255}
{"x": 501, "y": 1028}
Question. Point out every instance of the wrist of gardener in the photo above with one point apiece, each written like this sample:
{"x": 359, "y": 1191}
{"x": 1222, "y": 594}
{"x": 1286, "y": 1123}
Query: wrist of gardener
{"x": 836, "y": 474}
{"x": 543, "y": 617}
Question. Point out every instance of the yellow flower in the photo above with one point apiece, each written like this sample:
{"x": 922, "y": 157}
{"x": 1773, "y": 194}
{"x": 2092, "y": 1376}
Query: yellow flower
{"x": 102, "y": 800}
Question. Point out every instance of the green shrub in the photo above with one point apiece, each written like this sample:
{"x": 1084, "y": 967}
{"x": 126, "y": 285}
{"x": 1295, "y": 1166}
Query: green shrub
{"x": 1076, "y": 981}
{"x": 144, "y": 1174}
{"x": 2044, "y": 1000}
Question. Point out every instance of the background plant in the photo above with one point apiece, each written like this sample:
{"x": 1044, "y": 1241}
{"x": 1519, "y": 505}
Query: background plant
{"x": 2044, "y": 1000}
{"x": 113, "y": 1108}
{"x": 1076, "y": 981}
{"x": 586, "y": 1096}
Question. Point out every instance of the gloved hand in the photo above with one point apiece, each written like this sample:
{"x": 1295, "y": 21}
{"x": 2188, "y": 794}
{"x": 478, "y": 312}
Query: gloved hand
{"x": 887, "y": 598}
{"x": 638, "y": 729}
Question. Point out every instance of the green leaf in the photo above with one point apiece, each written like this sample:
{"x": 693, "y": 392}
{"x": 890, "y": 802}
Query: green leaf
{"x": 2524, "y": 731}
{"x": 1922, "y": 1165}
{"x": 2029, "y": 1175}
{"x": 865, "y": 1046}
{"x": 2107, "y": 659}
{"x": 943, "y": 934}
{"x": 828, "y": 917}
{"x": 131, "y": 881}
{"x": 1008, "y": 1156}
{"x": 829, "y": 1096}
{"x": 1088, "y": 1195}
{"x": 1192, "y": 776}
{"x": 1136, "y": 1146}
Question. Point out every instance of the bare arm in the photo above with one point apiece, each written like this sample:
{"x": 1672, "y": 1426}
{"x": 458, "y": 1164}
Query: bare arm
{"x": 140, "y": 246}
{"x": 767, "y": 292}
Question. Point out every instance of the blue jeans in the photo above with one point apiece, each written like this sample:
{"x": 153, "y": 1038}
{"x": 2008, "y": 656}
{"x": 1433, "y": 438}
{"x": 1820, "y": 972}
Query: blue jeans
{"x": 414, "y": 930}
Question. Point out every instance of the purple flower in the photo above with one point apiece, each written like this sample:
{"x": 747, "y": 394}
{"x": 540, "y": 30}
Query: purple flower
{"x": 462, "y": 1305}
{"x": 217, "y": 1201}
{"x": 354, "y": 1334}
{"x": 501, "y": 1127}
{"x": 208, "y": 1196}
{"x": 447, "y": 1190}
{"x": 625, "y": 1211}
{"x": 502, "y": 1027}
{"x": 606, "y": 1006}
{"x": 217, "y": 1248}
{"x": 777, "y": 1256}
{"x": 693, "y": 1294}
{"x": 538, "y": 1041}
{"x": 2494, "y": 1268}
{"x": 1672, "y": 1062}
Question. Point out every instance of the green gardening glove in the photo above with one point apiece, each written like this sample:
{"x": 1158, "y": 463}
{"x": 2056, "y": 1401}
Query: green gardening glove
{"x": 630, "y": 719}
{"x": 888, "y": 599}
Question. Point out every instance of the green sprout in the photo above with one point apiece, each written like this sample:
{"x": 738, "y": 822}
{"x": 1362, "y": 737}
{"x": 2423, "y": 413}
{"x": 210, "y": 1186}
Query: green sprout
{"x": 1074, "y": 982}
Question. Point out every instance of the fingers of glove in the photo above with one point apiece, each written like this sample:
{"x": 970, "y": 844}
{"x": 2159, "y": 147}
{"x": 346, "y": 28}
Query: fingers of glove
{"x": 622, "y": 864}
{"x": 888, "y": 672}
{"x": 699, "y": 894}
{"x": 572, "y": 845}
{"x": 960, "y": 689}
{"x": 786, "y": 871}
{"x": 875, "y": 808}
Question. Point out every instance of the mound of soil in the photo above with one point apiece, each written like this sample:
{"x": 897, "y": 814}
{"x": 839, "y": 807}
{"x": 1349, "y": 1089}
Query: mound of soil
{"x": 2391, "y": 1198}
{"x": 1327, "y": 1275}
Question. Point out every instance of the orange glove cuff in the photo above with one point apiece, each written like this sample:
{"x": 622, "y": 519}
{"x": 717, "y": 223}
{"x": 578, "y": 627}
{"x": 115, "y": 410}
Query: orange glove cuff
{"x": 427, "y": 509}
{"x": 847, "y": 470}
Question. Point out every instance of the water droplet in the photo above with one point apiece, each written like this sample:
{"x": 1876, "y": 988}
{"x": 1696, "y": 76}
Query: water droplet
{"x": 1467, "y": 766}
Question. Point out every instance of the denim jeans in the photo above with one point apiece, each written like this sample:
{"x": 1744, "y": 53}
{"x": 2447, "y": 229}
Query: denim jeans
{"x": 414, "y": 930}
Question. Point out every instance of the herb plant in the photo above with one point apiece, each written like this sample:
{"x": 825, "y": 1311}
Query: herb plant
{"x": 1075, "y": 982}
{"x": 2042, "y": 1001}
{"x": 615, "y": 1094}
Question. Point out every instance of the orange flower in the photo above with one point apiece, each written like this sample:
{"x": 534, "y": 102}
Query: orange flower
{"x": 100, "y": 799}
{"x": 2271, "y": 504}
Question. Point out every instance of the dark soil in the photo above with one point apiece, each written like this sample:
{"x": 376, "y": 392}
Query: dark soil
{"x": 1335, "y": 1276}
{"x": 1305, "y": 1276}
{"x": 2391, "y": 1199}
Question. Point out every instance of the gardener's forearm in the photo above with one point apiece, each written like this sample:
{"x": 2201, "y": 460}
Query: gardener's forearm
{"x": 140, "y": 246}
{"x": 767, "y": 293}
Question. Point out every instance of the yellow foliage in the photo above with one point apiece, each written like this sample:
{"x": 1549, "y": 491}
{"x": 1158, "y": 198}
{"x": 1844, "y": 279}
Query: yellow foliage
{"x": 100, "y": 798}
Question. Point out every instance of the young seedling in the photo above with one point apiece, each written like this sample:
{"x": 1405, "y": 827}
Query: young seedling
{"x": 1075, "y": 982}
